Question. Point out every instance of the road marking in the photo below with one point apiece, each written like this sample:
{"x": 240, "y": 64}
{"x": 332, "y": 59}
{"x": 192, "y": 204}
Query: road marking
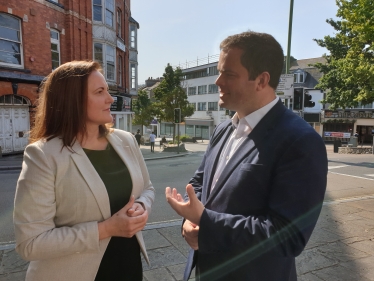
{"x": 337, "y": 167}
{"x": 351, "y": 176}
{"x": 370, "y": 175}
{"x": 348, "y": 199}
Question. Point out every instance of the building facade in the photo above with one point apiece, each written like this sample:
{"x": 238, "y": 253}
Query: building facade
{"x": 37, "y": 36}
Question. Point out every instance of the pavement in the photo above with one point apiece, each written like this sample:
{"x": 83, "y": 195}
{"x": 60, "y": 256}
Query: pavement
{"x": 341, "y": 247}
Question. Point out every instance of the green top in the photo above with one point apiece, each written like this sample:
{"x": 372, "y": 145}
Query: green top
{"x": 121, "y": 260}
{"x": 115, "y": 175}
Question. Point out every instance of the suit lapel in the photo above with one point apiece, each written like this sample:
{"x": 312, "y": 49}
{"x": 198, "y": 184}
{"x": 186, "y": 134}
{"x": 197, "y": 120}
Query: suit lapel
{"x": 266, "y": 124}
{"x": 217, "y": 146}
{"x": 92, "y": 178}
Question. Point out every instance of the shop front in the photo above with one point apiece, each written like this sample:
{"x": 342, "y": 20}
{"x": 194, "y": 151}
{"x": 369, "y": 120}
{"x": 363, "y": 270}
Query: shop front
{"x": 348, "y": 122}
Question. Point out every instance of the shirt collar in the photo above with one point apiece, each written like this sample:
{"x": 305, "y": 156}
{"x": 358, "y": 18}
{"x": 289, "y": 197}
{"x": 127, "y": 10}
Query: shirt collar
{"x": 255, "y": 117}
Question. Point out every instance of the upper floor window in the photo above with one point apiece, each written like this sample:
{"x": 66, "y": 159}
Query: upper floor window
{"x": 98, "y": 53}
{"x": 213, "y": 88}
{"x": 191, "y": 91}
{"x": 119, "y": 67}
{"x": 109, "y": 12}
{"x": 97, "y": 10}
{"x": 201, "y": 106}
{"x": 107, "y": 61}
{"x": 55, "y": 49}
{"x": 133, "y": 76}
{"x": 119, "y": 23}
{"x": 201, "y": 90}
{"x": 212, "y": 106}
{"x": 299, "y": 77}
{"x": 10, "y": 41}
{"x": 213, "y": 70}
{"x": 132, "y": 36}
{"x": 110, "y": 68}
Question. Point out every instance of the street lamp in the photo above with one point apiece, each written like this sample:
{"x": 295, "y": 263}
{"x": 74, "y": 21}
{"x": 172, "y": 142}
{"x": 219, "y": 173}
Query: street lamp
{"x": 289, "y": 37}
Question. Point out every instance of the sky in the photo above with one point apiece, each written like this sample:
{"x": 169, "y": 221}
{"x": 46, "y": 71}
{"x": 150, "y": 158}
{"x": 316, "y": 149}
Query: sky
{"x": 176, "y": 31}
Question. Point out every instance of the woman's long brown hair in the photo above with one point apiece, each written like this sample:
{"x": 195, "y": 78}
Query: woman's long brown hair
{"x": 62, "y": 107}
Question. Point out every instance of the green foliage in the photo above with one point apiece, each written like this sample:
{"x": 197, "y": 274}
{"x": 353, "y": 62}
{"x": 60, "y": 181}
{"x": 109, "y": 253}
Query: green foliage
{"x": 348, "y": 75}
{"x": 184, "y": 137}
{"x": 143, "y": 109}
{"x": 170, "y": 94}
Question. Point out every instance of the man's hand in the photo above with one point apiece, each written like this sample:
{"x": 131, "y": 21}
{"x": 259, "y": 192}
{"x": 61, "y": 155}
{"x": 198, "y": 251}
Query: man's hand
{"x": 190, "y": 210}
{"x": 191, "y": 233}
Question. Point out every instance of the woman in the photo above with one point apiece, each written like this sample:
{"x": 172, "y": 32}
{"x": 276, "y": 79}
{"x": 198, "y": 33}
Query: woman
{"x": 84, "y": 193}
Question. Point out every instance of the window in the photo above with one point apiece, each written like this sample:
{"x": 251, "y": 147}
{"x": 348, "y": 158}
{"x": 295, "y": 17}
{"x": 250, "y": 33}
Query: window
{"x": 110, "y": 66}
{"x": 298, "y": 77}
{"x": 133, "y": 76}
{"x": 201, "y": 90}
{"x": 98, "y": 53}
{"x": 10, "y": 41}
{"x": 201, "y": 106}
{"x": 132, "y": 36}
{"x": 119, "y": 23}
{"x": 212, "y": 106}
{"x": 222, "y": 109}
{"x": 109, "y": 11}
{"x": 191, "y": 91}
{"x": 213, "y": 70}
{"x": 119, "y": 66}
{"x": 193, "y": 104}
{"x": 107, "y": 61}
{"x": 97, "y": 10}
{"x": 55, "y": 49}
{"x": 213, "y": 88}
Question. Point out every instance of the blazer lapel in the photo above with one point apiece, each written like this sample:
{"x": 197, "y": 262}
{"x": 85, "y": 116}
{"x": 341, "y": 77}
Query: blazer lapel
{"x": 266, "y": 124}
{"x": 92, "y": 178}
{"x": 123, "y": 150}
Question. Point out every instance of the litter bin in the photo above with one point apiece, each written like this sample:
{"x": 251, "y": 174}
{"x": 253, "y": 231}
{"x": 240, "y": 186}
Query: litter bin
{"x": 337, "y": 144}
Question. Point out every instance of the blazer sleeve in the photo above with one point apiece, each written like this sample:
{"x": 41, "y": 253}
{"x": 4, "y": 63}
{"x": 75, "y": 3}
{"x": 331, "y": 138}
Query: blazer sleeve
{"x": 295, "y": 200}
{"x": 35, "y": 210}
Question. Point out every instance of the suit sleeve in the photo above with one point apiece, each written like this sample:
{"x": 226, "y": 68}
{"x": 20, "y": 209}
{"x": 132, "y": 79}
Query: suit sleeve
{"x": 35, "y": 210}
{"x": 295, "y": 200}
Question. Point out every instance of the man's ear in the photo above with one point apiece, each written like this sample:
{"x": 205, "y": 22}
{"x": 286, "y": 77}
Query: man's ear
{"x": 262, "y": 80}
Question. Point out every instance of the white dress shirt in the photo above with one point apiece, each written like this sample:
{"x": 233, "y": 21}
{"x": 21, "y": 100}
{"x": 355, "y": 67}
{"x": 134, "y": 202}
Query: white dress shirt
{"x": 243, "y": 128}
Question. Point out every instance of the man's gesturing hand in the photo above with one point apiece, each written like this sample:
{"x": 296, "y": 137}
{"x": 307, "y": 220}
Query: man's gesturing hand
{"x": 190, "y": 210}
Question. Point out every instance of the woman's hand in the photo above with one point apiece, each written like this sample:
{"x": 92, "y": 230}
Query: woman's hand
{"x": 136, "y": 210}
{"x": 125, "y": 223}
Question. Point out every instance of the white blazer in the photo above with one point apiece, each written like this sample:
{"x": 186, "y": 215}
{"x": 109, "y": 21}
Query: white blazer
{"x": 60, "y": 199}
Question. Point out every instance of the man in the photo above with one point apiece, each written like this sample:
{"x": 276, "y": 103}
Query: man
{"x": 256, "y": 197}
{"x": 138, "y": 137}
{"x": 152, "y": 138}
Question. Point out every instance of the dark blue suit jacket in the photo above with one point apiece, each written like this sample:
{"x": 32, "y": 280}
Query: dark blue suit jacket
{"x": 264, "y": 205}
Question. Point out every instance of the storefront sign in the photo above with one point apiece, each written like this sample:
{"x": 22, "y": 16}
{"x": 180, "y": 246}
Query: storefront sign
{"x": 337, "y": 135}
{"x": 349, "y": 114}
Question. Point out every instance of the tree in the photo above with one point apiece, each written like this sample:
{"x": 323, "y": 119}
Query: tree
{"x": 170, "y": 94}
{"x": 348, "y": 75}
{"x": 144, "y": 112}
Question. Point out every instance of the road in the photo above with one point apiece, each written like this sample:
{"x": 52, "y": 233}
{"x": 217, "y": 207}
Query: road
{"x": 176, "y": 172}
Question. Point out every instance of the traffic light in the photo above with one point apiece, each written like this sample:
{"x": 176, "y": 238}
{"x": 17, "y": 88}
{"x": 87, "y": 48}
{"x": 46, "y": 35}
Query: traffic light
{"x": 308, "y": 100}
{"x": 298, "y": 99}
{"x": 177, "y": 115}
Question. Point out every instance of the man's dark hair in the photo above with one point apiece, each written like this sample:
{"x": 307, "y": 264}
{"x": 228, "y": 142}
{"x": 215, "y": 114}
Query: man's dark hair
{"x": 261, "y": 53}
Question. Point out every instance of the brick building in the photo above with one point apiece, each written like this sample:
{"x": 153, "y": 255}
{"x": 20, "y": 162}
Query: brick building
{"x": 36, "y": 36}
